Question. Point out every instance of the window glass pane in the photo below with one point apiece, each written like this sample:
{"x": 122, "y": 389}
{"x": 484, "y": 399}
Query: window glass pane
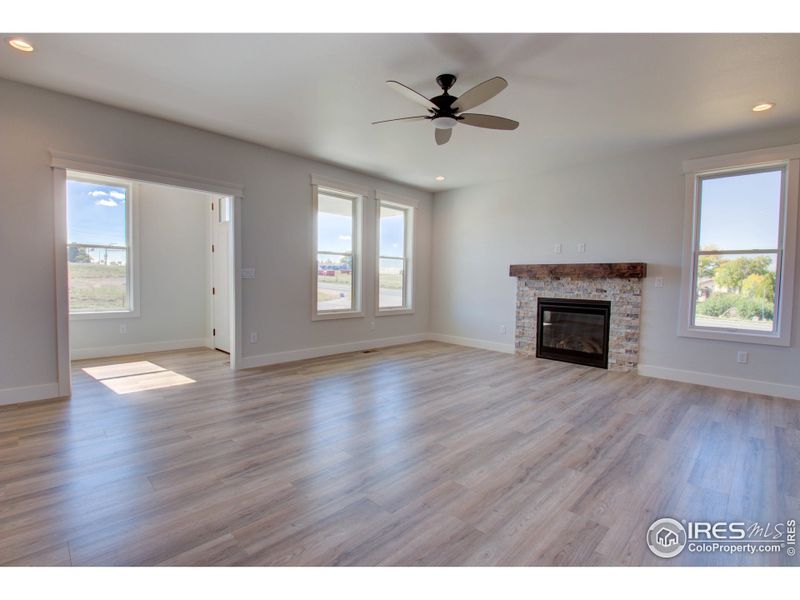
{"x": 740, "y": 212}
{"x": 334, "y": 282}
{"x": 96, "y": 214}
{"x": 736, "y": 291}
{"x": 97, "y": 279}
{"x": 390, "y": 283}
{"x": 334, "y": 224}
{"x": 97, "y": 253}
{"x": 392, "y": 236}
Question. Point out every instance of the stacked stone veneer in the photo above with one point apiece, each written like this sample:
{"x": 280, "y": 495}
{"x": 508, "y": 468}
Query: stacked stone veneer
{"x": 626, "y": 305}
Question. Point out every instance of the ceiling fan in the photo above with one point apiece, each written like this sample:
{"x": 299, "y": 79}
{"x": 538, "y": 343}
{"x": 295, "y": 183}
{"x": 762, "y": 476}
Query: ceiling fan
{"x": 446, "y": 111}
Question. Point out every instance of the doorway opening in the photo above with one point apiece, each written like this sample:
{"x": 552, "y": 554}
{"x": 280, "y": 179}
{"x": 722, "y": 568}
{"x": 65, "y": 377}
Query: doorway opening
{"x": 141, "y": 268}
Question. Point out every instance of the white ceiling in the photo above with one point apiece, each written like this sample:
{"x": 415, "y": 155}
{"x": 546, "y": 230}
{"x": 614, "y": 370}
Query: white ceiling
{"x": 577, "y": 96}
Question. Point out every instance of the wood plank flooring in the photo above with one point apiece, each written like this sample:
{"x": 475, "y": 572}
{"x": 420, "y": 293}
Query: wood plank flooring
{"x": 424, "y": 454}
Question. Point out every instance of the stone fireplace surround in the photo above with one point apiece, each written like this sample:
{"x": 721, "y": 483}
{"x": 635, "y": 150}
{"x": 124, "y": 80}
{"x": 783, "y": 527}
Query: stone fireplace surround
{"x": 620, "y": 283}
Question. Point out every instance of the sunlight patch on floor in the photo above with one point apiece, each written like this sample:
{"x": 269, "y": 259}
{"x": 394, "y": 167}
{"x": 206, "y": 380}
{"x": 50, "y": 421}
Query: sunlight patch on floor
{"x": 123, "y": 369}
{"x": 140, "y": 376}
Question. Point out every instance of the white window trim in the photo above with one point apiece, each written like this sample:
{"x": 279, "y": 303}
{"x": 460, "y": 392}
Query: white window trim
{"x": 358, "y": 195}
{"x": 786, "y": 156}
{"x": 409, "y": 205}
{"x": 132, "y": 267}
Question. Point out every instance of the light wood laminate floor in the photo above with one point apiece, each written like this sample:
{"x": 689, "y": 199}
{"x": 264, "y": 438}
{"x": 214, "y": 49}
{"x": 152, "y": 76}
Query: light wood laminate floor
{"x": 425, "y": 454}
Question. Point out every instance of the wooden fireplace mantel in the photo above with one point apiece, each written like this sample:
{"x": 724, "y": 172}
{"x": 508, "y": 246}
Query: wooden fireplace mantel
{"x": 580, "y": 271}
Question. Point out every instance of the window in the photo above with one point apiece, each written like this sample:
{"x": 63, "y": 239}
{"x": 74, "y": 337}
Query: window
{"x": 337, "y": 273}
{"x": 740, "y": 281}
{"x": 99, "y": 250}
{"x": 395, "y": 244}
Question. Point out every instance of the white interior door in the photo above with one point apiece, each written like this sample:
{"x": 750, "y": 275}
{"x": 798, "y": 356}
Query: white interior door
{"x": 220, "y": 272}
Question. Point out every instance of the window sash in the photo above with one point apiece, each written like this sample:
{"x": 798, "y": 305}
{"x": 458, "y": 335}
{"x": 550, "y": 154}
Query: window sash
{"x": 697, "y": 252}
{"x": 354, "y": 253}
{"x": 131, "y": 308}
{"x": 406, "y": 257}
{"x": 352, "y": 286}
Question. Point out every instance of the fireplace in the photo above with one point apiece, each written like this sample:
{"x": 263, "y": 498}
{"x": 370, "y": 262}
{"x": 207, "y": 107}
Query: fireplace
{"x": 617, "y": 284}
{"x": 573, "y": 330}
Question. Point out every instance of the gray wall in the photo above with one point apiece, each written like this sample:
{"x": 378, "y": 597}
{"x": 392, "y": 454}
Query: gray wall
{"x": 276, "y": 225}
{"x": 173, "y": 279}
{"x": 624, "y": 208}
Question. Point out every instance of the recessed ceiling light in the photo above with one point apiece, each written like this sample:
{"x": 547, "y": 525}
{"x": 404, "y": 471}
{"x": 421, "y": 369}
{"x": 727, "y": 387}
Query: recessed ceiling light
{"x": 763, "y": 106}
{"x": 20, "y": 44}
{"x": 440, "y": 178}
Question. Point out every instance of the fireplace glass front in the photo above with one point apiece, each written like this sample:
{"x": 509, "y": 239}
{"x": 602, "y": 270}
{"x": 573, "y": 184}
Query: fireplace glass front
{"x": 574, "y": 331}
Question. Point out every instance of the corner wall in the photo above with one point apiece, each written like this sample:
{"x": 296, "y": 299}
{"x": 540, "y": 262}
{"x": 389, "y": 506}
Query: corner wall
{"x": 624, "y": 208}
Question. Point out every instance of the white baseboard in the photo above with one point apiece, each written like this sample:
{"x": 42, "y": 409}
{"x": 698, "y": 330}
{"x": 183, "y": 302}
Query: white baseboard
{"x": 472, "y": 342}
{"x": 29, "y": 393}
{"x": 262, "y": 360}
{"x": 753, "y": 386}
{"x": 104, "y": 351}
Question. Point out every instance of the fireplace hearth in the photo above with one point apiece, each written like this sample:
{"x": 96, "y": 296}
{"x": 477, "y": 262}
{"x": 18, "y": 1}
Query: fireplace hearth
{"x": 573, "y": 331}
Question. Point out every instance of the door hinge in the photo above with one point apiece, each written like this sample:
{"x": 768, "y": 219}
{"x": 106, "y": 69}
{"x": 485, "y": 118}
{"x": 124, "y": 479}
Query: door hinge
{"x": 212, "y": 206}
{"x": 213, "y": 291}
{"x": 212, "y": 247}
{"x": 213, "y": 332}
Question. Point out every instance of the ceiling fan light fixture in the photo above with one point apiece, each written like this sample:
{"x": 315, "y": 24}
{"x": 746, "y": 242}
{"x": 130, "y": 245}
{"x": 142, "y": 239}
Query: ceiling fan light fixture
{"x": 439, "y": 178}
{"x": 444, "y": 122}
{"x": 763, "y": 106}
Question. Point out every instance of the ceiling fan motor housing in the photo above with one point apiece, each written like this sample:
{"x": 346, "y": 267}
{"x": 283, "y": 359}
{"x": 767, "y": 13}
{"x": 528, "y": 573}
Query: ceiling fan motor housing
{"x": 445, "y": 101}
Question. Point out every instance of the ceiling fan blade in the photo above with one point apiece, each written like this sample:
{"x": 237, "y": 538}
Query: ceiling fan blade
{"x": 480, "y": 94}
{"x": 411, "y": 94}
{"x": 443, "y": 136}
{"x": 488, "y": 121}
{"x": 421, "y": 118}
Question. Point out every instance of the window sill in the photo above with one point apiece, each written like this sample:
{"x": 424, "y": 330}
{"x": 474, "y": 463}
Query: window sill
{"x": 327, "y": 316}
{"x": 390, "y": 312}
{"x": 91, "y": 316}
{"x": 735, "y": 335}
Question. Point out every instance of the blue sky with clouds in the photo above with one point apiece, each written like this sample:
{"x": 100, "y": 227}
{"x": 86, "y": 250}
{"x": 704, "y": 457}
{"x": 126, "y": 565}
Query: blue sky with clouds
{"x": 95, "y": 213}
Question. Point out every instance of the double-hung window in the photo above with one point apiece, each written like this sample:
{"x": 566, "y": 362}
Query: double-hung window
{"x": 739, "y": 263}
{"x": 336, "y": 281}
{"x": 99, "y": 246}
{"x": 395, "y": 254}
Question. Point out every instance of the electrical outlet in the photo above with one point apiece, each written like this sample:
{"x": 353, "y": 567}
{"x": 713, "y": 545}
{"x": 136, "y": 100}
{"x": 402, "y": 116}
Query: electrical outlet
{"x": 742, "y": 357}
{"x": 557, "y": 249}
{"x": 581, "y": 248}
{"x": 123, "y": 329}
{"x": 502, "y": 329}
{"x": 248, "y": 273}
{"x": 658, "y": 282}
{"x": 253, "y": 337}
